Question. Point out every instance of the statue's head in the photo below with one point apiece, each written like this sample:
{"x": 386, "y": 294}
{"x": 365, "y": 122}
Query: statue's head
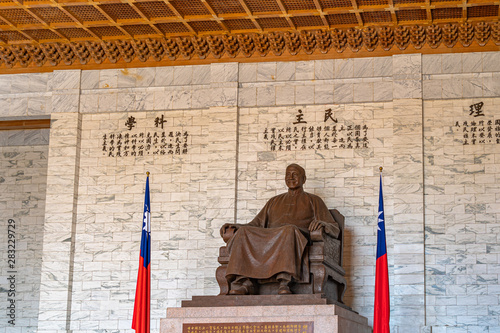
{"x": 295, "y": 176}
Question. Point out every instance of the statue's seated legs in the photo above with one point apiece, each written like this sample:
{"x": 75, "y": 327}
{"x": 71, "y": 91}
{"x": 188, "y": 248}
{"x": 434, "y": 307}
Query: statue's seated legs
{"x": 242, "y": 285}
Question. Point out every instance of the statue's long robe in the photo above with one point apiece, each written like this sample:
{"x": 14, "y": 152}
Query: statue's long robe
{"x": 275, "y": 240}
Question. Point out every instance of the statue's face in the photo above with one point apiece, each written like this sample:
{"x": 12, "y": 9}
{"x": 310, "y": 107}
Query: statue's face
{"x": 294, "y": 178}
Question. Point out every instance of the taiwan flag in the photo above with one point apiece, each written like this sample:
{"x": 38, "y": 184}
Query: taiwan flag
{"x": 141, "y": 319}
{"x": 382, "y": 304}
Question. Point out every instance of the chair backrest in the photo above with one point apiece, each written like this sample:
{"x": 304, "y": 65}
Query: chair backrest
{"x": 341, "y": 221}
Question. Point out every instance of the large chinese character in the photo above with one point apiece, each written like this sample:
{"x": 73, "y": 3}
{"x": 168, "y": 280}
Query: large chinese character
{"x": 159, "y": 121}
{"x": 300, "y": 118}
{"x": 476, "y": 109}
{"x": 329, "y": 115}
{"x": 130, "y": 122}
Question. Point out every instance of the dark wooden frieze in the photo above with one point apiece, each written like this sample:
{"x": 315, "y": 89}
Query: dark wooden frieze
{"x": 252, "y": 47}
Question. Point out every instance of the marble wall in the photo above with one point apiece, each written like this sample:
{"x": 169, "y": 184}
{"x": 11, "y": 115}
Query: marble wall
{"x": 217, "y": 138}
{"x": 23, "y": 177}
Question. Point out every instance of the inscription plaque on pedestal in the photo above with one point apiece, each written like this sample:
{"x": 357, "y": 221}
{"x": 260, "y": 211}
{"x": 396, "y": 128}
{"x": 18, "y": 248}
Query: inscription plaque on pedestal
{"x": 286, "y": 327}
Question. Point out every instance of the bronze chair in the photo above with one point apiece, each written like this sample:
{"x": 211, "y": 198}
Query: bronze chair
{"x": 322, "y": 271}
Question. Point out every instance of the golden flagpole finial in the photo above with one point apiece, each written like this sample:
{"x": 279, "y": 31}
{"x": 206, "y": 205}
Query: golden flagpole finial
{"x": 380, "y": 169}
{"x": 147, "y": 173}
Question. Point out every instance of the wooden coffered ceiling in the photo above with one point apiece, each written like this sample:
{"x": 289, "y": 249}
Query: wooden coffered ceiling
{"x": 78, "y": 33}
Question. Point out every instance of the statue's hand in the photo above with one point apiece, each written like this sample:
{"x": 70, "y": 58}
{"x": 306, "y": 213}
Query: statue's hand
{"x": 316, "y": 225}
{"x": 225, "y": 228}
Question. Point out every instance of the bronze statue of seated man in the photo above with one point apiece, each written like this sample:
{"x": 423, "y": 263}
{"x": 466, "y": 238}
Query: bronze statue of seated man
{"x": 271, "y": 246}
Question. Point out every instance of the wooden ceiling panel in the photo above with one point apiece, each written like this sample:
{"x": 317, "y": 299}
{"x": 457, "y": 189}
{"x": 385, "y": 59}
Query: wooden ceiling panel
{"x": 172, "y": 28}
{"x": 154, "y": 9}
{"x": 307, "y": 21}
{"x": 240, "y": 24}
{"x": 446, "y": 13}
{"x": 226, "y": 6}
{"x": 190, "y": 7}
{"x": 120, "y": 11}
{"x": 51, "y": 15}
{"x": 18, "y": 16}
{"x": 409, "y": 15}
{"x": 74, "y": 33}
{"x": 273, "y": 23}
{"x": 376, "y": 17}
{"x": 342, "y": 19}
{"x": 107, "y": 31}
{"x": 263, "y": 6}
{"x": 12, "y": 36}
{"x": 334, "y": 4}
{"x": 39, "y": 34}
{"x": 86, "y": 13}
{"x": 206, "y": 26}
{"x": 298, "y": 5}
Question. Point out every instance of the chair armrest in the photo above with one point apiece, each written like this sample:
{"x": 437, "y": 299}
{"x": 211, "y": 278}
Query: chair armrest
{"x": 228, "y": 234}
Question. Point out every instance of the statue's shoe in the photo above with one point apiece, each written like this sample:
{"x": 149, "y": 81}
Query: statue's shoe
{"x": 284, "y": 290}
{"x": 241, "y": 290}
{"x": 245, "y": 288}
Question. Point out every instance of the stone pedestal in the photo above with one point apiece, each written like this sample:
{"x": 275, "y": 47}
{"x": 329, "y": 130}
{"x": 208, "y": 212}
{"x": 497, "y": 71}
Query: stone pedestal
{"x": 327, "y": 318}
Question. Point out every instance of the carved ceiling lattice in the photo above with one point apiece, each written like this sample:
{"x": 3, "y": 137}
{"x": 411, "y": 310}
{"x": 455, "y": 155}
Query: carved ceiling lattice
{"x": 356, "y": 40}
{"x": 69, "y": 31}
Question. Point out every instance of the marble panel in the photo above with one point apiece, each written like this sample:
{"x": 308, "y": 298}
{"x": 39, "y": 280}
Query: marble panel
{"x": 324, "y": 69}
{"x": 266, "y": 71}
{"x": 304, "y": 70}
{"x": 344, "y": 68}
{"x": 39, "y": 105}
{"x": 18, "y": 106}
{"x": 363, "y": 67}
{"x": 343, "y": 93}
{"x": 382, "y": 91}
{"x": 108, "y": 78}
{"x": 432, "y": 89}
{"x": 18, "y": 83}
{"x": 247, "y": 96}
{"x": 247, "y": 72}
{"x": 472, "y": 87}
{"x": 407, "y": 64}
{"x": 89, "y": 103}
{"x": 382, "y": 66}
{"x": 145, "y": 77}
{"x": 266, "y": 96}
{"x": 200, "y": 98}
{"x": 89, "y": 79}
{"x": 5, "y": 84}
{"x": 183, "y": 75}
{"x": 403, "y": 89}
{"x": 472, "y": 62}
{"x": 224, "y": 72}
{"x": 182, "y": 99}
{"x": 323, "y": 94}
{"x": 452, "y": 63}
{"x": 107, "y": 102}
{"x": 491, "y": 61}
{"x": 363, "y": 92}
{"x": 201, "y": 74}
{"x": 65, "y": 79}
{"x": 5, "y": 107}
{"x": 38, "y": 82}
{"x": 126, "y": 77}
{"x": 285, "y": 71}
{"x": 224, "y": 96}
{"x": 164, "y": 76}
{"x": 452, "y": 88}
{"x": 304, "y": 94}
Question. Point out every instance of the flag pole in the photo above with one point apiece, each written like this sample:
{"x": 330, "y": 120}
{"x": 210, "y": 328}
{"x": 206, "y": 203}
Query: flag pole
{"x": 381, "y": 311}
{"x": 141, "y": 319}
